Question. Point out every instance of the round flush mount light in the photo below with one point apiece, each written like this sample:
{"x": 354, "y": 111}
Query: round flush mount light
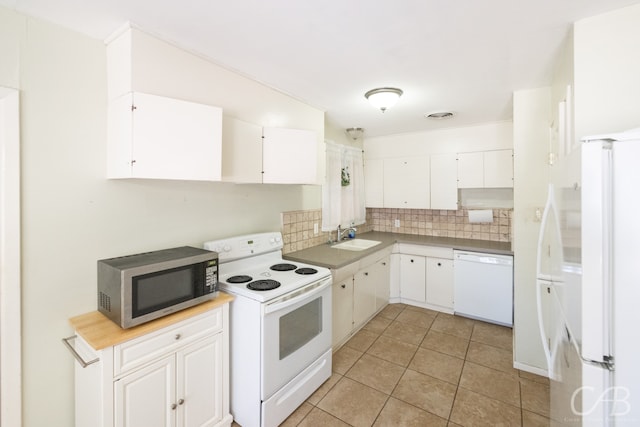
{"x": 354, "y": 133}
{"x": 383, "y": 97}
{"x": 439, "y": 115}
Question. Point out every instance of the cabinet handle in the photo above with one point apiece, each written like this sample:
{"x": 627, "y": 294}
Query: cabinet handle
{"x": 173, "y": 407}
{"x": 343, "y": 286}
{"x": 178, "y": 336}
{"x": 439, "y": 264}
{"x": 366, "y": 274}
{"x": 384, "y": 263}
{"x": 75, "y": 354}
{"x": 180, "y": 402}
{"x": 411, "y": 260}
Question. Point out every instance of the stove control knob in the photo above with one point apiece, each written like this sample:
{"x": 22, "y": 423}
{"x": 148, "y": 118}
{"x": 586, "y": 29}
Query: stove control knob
{"x": 218, "y": 248}
{"x": 227, "y": 248}
{"x": 278, "y": 239}
{"x": 272, "y": 240}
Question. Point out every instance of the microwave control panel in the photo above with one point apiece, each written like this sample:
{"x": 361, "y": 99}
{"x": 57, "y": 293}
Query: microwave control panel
{"x": 211, "y": 276}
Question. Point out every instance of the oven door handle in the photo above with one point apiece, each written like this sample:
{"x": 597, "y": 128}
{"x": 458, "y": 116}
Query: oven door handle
{"x": 297, "y": 296}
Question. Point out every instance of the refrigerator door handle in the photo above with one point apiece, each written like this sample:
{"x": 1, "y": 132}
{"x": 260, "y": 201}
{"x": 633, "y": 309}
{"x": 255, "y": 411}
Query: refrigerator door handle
{"x": 543, "y": 225}
{"x": 549, "y": 208}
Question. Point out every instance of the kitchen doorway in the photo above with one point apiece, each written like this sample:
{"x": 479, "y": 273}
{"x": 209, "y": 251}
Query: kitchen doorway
{"x": 10, "y": 343}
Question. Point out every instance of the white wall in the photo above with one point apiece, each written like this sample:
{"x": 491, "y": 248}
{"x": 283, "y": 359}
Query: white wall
{"x": 607, "y": 66}
{"x": 72, "y": 216}
{"x": 535, "y": 113}
{"x": 491, "y": 136}
{"x": 339, "y": 136}
{"x": 531, "y": 121}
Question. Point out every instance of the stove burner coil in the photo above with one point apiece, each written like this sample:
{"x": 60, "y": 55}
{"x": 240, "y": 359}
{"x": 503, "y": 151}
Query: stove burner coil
{"x": 239, "y": 279}
{"x": 306, "y": 270}
{"x": 263, "y": 285}
{"x": 283, "y": 267}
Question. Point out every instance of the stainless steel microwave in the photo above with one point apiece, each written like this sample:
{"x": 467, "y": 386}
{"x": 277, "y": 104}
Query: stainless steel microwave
{"x": 135, "y": 289}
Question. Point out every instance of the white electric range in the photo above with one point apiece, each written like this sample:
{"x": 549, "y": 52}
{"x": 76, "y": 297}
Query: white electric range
{"x": 280, "y": 331}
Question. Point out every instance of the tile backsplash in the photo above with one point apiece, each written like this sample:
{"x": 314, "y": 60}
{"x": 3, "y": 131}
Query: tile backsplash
{"x": 298, "y": 226}
{"x": 439, "y": 223}
{"x": 297, "y": 230}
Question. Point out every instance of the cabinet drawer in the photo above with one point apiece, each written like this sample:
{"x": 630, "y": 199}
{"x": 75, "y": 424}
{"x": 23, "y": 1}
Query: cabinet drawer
{"x": 369, "y": 260}
{"x": 137, "y": 352}
{"x": 428, "y": 251}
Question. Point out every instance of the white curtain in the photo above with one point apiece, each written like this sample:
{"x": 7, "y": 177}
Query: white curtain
{"x": 343, "y": 190}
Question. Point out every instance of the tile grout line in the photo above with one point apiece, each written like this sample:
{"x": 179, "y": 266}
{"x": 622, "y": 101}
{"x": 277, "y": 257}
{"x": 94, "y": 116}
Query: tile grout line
{"x": 419, "y": 345}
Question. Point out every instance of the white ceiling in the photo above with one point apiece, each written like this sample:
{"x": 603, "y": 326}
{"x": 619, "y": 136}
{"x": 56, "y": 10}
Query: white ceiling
{"x": 466, "y": 56}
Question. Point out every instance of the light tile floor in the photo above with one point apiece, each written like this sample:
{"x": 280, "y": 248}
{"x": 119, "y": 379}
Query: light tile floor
{"x": 414, "y": 367}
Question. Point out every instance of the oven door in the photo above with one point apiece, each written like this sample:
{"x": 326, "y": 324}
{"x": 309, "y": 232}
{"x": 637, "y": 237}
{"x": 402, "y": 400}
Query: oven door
{"x": 296, "y": 330}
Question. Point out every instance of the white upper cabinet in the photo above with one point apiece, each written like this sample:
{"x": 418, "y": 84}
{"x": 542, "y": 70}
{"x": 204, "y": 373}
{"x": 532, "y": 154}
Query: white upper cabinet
{"x": 486, "y": 169}
{"x": 406, "y": 183}
{"x": 256, "y": 154}
{"x": 444, "y": 184}
{"x": 289, "y": 156}
{"x": 241, "y": 151}
{"x": 155, "y": 137}
{"x": 470, "y": 170}
{"x": 373, "y": 183}
{"x": 498, "y": 169}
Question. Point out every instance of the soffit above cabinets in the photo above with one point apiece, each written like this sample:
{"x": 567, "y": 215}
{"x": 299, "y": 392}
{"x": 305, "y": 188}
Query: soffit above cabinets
{"x": 467, "y": 58}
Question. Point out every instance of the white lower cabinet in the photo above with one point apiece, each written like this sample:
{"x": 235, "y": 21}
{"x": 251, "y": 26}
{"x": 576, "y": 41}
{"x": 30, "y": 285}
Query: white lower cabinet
{"x": 145, "y": 397}
{"x": 440, "y": 282}
{"x": 370, "y": 290}
{"x": 426, "y": 276}
{"x": 360, "y": 290}
{"x": 364, "y": 296}
{"x": 185, "y": 384}
{"x": 413, "y": 278}
{"x": 342, "y": 317}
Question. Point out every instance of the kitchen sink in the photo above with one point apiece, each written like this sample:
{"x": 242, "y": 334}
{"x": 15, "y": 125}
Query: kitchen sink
{"x": 356, "y": 244}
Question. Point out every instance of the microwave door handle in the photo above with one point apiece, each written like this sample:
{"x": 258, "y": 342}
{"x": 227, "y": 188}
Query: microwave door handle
{"x": 297, "y": 296}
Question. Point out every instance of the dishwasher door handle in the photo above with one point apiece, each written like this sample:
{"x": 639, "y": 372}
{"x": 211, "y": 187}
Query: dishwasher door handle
{"x": 485, "y": 258}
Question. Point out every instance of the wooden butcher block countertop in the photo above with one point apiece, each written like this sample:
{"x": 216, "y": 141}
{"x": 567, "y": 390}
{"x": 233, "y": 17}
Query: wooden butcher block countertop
{"x": 100, "y": 332}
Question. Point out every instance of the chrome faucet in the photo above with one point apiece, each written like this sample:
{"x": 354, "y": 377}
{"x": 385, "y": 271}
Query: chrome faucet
{"x": 341, "y": 232}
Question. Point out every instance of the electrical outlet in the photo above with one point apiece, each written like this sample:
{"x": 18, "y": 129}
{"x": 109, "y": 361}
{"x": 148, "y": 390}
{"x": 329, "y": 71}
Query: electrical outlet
{"x": 538, "y": 217}
{"x": 315, "y": 228}
{"x": 396, "y": 223}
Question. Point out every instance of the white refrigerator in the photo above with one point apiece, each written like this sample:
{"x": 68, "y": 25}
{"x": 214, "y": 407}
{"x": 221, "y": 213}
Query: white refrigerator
{"x": 588, "y": 278}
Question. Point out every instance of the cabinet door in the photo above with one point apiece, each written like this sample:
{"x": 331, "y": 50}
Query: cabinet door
{"x": 440, "y": 282}
{"x": 413, "y": 277}
{"x": 199, "y": 383}
{"x": 173, "y": 139}
{"x": 444, "y": 183}
{"x": 380, "y": 273}
{"x": 289, "y": 156}
{"x": 373, "y": 183}
{"x": 406, "y": 183}
{"x": 145, "y": 397}
{"x": 342, "y": 306}
{"x": 394, "y": 277}
{"x": 364, "y": 296}
{"x": 498, "y": 169}
{"x": 471, "y": 170}
{"x": 241, "y": 151}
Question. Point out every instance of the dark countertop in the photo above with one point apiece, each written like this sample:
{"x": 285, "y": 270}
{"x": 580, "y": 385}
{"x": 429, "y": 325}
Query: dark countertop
{"x": 325, "y": 256}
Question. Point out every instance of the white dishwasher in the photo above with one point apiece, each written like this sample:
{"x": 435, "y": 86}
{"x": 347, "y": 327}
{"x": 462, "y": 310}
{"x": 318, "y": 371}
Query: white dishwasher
{"x": 483, "y": 286}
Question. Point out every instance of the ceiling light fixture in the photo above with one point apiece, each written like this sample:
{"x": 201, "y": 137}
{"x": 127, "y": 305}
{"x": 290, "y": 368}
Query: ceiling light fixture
{"x": 354, "y": 133}
{"x": 439, "y": 115}
{"x": 383, "y": 97}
